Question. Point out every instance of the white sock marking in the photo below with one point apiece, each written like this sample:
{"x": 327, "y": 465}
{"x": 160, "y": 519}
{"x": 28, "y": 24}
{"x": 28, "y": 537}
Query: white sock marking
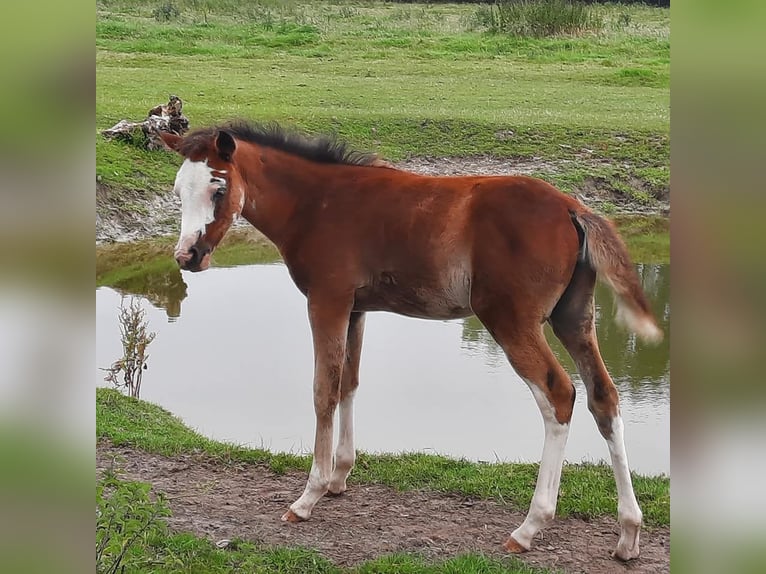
{"x": 345, "y": 454}
{"x": 628, "y": 512}
{"x": 543, "y": 505}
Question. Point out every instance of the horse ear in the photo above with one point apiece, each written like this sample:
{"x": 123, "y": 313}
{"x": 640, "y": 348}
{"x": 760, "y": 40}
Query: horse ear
{"x": 225, "y": 145}
{"x": 172, "y": 141}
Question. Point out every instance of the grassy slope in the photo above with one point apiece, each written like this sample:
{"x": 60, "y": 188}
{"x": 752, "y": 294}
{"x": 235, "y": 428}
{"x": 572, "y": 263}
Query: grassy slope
{"x": 404, "y": 80}
{"x": 586, "y": 490}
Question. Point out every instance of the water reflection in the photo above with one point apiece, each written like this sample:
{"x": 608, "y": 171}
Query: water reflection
{"x": 253, "y": 383}
{"x": 632, "y": 364}
{"x": 164, "y": 289}
{"x": 628, "y": 359}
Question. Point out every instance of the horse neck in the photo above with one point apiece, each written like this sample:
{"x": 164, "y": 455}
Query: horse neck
{"x": 277, "y": 185}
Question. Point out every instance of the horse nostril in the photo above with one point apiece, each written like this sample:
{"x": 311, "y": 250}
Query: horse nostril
{"x": 186, "y": 258}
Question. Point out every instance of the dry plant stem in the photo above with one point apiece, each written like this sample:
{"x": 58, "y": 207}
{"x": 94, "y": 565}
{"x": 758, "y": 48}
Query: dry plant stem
{"x": 135, "y": 341}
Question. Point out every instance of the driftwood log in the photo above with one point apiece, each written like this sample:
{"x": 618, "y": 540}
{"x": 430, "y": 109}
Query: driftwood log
{"x": 162, "y": 118}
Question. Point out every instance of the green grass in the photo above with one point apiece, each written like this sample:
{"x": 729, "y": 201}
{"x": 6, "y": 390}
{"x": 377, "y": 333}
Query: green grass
{"x": 586, "y": 490}
{"x": 177, "y": 553}
{"x": 403, "y": 80}
{"x": 647, "y": 238}
{"x": 123, "y": 167}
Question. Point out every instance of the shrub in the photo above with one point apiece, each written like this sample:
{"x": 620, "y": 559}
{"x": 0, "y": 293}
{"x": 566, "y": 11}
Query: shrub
{"x": 166, "y": 12}
{"x": 126, "y": 522}
{"x": 539, "y": 18}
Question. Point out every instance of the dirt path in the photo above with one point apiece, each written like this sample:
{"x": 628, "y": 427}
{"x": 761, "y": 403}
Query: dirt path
{"x": 220, "y": 501}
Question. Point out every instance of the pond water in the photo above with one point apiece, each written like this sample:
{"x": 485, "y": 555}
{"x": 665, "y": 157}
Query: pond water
{"x": 233, "y": 359}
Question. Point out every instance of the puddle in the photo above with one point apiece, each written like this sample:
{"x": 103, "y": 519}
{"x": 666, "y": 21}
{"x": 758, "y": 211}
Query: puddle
{"x": 233, "y": 359}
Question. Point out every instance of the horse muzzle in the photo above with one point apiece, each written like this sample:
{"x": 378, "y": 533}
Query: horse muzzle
{"x": 196, "y": 258}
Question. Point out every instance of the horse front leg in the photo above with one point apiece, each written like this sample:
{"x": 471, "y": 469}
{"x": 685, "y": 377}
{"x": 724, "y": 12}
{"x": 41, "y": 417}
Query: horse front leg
{"x": 329, "y": 325}
{"x": 345, "y": 455}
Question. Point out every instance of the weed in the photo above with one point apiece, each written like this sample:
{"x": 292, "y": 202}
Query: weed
{"x": 166, "y": 12}
{"x": 347, "y": 12}
{"x": 483, "y": 18}
{"x": 126, "y": 520}
{"x": 540, "y": 18}
{"x": 642, "y": 197}
{"x": 135, "y": 340}
{"x": 608, "y": 208}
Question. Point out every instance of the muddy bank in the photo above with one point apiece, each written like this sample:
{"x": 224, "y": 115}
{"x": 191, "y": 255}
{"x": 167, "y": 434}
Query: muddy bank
{"x": 227, "y": 501}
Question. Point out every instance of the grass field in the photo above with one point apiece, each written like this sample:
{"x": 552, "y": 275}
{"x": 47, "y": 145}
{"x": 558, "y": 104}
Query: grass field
{"x": 404, "y": 80}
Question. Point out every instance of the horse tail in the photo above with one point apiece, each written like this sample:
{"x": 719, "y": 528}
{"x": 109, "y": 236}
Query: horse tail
{"x": 603, "y": 248}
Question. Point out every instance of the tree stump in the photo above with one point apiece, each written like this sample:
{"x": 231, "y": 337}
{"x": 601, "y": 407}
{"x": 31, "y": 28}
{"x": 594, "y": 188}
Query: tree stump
{"x": 162, "y": 118}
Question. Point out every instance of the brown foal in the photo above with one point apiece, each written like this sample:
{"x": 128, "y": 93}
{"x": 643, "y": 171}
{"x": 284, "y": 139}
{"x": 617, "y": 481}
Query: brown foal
{"x": 358, "y": 235}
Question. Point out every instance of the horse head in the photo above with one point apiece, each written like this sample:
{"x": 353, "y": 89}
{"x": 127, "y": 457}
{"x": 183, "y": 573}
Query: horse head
{"x": 211, "y": 190}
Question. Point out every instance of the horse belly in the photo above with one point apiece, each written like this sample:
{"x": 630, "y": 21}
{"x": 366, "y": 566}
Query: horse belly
{"x": 447, "y": 297}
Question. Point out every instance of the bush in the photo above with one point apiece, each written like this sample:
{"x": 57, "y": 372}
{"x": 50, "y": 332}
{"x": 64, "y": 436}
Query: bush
{"x": 539, "y": 18}
{"x": 127, "y": 521}
{"x": 166, "y": 12}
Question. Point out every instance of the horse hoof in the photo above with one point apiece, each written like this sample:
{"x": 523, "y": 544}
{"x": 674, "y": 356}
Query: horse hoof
{"x": 514, "y": 547}
{"x": 290, "y": 516}
{"x": 625, "y": 555}
{"x": 336, "y": 492}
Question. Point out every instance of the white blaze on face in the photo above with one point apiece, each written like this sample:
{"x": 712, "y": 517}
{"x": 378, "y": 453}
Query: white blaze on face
{"x": 192, "y": 185}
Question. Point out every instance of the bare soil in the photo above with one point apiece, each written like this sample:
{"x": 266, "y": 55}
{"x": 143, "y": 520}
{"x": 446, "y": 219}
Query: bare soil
{"x": 128, "y": 216}
{"x": 237, "y": 501}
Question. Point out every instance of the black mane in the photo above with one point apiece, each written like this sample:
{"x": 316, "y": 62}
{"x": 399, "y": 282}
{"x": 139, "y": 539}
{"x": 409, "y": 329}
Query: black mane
{"x": 321, "y": 149}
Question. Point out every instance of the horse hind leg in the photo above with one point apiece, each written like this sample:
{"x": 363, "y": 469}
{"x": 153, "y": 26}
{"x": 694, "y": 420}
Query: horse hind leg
{"x": 531, "y": 357}
{"x": 572, "y": 322}
{"x": 345, "y": 455}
